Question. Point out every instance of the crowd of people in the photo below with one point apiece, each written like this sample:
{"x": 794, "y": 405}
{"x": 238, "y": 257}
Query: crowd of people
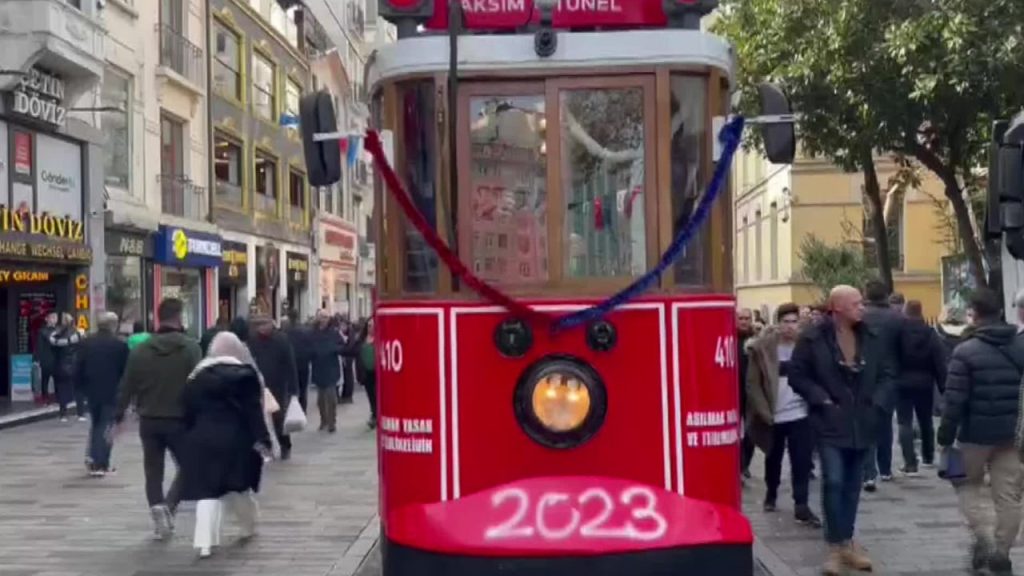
{"x": 222, "y": 406}
{"x": 826, "y": 382}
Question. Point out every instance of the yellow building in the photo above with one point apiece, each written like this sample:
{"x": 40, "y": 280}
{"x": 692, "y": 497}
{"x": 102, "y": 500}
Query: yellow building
{"x": 777, "y": 207}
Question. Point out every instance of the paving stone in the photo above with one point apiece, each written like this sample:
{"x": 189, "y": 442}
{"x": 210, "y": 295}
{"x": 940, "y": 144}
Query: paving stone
{"x": 56, "y": 521}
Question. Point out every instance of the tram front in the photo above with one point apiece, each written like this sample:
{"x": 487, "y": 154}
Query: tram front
{"x": 559, "y": 166}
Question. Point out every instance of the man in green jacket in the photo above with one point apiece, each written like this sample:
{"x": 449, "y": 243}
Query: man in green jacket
{"x": 154, "y": 380}
{"x": 139, "y": 335}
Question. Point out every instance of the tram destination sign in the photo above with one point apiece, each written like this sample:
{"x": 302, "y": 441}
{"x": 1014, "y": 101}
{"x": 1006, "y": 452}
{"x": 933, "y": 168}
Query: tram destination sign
{"x": 568, "y": 14}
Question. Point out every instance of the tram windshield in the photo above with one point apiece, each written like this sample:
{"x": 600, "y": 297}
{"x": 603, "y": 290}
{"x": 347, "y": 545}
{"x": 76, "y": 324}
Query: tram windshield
{"x": 575, "y": 183}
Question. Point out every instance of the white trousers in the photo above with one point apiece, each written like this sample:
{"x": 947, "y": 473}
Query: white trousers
{"x": 210, "y": 517}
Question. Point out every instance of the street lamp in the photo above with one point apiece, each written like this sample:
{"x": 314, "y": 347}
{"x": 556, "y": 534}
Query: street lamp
{"x": 545, "y": 41}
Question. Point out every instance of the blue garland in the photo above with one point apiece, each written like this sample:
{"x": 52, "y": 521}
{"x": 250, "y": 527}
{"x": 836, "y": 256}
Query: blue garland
{"x": 730, "y": 137}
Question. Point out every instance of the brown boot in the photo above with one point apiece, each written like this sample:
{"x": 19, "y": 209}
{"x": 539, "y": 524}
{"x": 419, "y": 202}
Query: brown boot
{"x": 855, "y": 557}
{"x": 833, "y": 562}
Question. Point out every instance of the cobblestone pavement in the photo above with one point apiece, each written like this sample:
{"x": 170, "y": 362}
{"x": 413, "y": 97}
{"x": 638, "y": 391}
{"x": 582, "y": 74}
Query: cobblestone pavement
{"x": 909, "y": 526}
{"x": 318, "y": 509}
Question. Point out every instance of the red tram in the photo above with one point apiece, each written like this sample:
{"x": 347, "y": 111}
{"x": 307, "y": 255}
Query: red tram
{"x": 559, "y": 148}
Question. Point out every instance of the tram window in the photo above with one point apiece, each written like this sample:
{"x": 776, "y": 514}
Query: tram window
{"x": 508, "y": 168}
{"x": 602, "y": 175}
{"x": 420, "y": 160}
{"x": 689, "y": 119}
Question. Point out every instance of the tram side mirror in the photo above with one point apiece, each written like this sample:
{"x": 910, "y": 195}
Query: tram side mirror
{"x": 779, "y": 137}
{"x": 323, "y": 159}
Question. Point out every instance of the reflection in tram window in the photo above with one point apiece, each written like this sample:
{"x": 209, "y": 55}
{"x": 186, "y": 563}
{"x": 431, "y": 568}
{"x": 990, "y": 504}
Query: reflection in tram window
{"x": 508, "y": 188}
{"x": 603, "y": 181}
{"x": 420, "y": 150}
{"x": 689, "y": 111}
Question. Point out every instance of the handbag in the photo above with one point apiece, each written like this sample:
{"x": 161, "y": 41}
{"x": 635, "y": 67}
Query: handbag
{"x": 294, "y": 417}
{"x": 270, "y": 405}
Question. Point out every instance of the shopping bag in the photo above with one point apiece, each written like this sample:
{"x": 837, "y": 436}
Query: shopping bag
{"x": 294, "y": 418}
{"x": 270, "y": 405}
{"x": 951, "y": 466}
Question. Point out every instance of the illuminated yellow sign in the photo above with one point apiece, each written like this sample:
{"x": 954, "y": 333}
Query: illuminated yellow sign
{"x": 23, "y": 276}
{"x": 82, "y": 301}
{"x": 45, "y": 224}
{"x": 179, "y": 243}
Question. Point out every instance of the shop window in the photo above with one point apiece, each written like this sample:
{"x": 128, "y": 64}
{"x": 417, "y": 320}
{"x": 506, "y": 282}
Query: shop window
{"x": 184, "y": 284}
{"x": 296, "y": 197}
{"x": 227, "y": 164}
{"x": 689, "y": 117}
{"x": 227, "y": 63}
{"x": 264, "y": 87}
{"x": 116, "y": 102}
{"x": 603, "y": 182}
{"x": 124, "y": 290}
{"x": 266, "y": 183}
{"x": 293, "y": 93}
{"x": 508, "y": 168}
{"x": 420, "y": 161}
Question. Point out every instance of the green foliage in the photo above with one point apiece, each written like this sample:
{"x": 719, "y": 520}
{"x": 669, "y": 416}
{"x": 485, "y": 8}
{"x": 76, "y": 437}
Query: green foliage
{"x": 827, "y": 266}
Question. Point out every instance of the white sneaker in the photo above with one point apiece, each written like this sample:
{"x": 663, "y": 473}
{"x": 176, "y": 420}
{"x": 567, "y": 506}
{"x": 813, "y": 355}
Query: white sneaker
{"x": 83, "y": 419}
{"x": 63, "y": 418}
{"x": 205, "y": 552}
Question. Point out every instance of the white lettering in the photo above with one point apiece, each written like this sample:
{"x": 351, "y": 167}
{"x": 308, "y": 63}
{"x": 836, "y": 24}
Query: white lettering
{"x": 392, "y": 356}
{"x": 589, "y": 6}
{"x": 725, "y": 352}
{"x": 493, "y": 6}
{"x": 407, "y": 445}
{"x": 646, "y": 522}
{"x": 204, "y": 247}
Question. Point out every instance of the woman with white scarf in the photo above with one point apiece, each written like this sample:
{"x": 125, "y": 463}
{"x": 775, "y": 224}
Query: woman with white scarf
{"x": 227, "y": 440}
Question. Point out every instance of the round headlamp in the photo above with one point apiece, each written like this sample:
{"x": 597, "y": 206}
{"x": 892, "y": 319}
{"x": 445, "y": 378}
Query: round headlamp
{"x": 560, "y": 402}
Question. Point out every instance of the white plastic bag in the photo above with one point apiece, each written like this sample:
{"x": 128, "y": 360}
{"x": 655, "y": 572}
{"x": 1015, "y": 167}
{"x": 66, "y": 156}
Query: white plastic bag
{"x": 294, "y": 418}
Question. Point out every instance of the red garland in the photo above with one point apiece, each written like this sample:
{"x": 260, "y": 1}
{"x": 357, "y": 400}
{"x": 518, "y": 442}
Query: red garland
{"x": 450, "y": 259}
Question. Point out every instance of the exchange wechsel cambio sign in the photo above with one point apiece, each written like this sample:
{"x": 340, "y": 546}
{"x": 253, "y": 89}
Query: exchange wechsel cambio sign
{"x": 188, "y": 248}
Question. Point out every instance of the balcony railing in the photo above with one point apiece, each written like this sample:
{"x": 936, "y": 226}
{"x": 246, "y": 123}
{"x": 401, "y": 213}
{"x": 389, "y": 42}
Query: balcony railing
{"x": 180, "y": 196}
{"x": 180, "y": 55}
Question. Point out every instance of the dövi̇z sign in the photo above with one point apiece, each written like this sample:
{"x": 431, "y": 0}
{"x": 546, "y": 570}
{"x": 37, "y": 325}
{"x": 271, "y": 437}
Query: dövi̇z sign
{"x": 590, "y": 514}
{"x": 60, "y": 227}
{"x": 40, "y": 96}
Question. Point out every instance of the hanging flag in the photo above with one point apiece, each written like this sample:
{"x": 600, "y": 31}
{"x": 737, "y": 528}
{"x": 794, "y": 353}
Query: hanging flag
{"x": 598, "y": 214}
{"x": 629, "y": 201}
{"x": 354, "y": 148}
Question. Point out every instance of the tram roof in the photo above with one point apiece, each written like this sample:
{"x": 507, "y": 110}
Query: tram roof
{"x": 428, "y": 54}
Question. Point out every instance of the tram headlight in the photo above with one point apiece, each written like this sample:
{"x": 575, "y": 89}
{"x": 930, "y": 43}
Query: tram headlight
{"x": 560, "y": 402}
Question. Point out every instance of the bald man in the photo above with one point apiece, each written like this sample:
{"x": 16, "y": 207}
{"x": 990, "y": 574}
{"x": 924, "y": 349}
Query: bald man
{"x": 840, "y": 370}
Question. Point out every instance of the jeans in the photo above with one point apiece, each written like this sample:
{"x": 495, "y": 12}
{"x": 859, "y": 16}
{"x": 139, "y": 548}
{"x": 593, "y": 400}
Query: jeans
{"x": 916, "y": 403}
{"x": 371, "y": 391}
{"x": 842, "y": 472}
{"x": 101, "y": 417}
{"x": 348, "y": 379}
{"x": 45, "y": 374}
{"x": 303, "y": 379}
{"x": 65, "y": 389}
{"x": 1006, "y": 477}
{"x": 797, "y": 434}
{"x": 880, "y": 457}
{"x": 746, "y": 452}
{"x": 327, "y": 403}
{"x": 159, "y": 436}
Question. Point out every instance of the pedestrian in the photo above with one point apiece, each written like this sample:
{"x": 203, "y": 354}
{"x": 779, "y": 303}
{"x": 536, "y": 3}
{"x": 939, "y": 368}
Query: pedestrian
{"x": 777, "y": 416}
{"x": 328, "y": 348}
{"x": 154, "y": 380}
{"x": 139, "y": 335}
{"x": 367, "y": 365}
{"x": 45, "y": 358}
{"x": 219, "y": 326}
{"x": 982, "y": 402}
{"x": 887, "y": 324}
{"x": 239, "y": 326}
{"x": 274, "y": 358}
{"x": 64, "y": 342}
{"x": 299, "y": 336}
{"x": 100, "y": 365}
{"x": 225, "y": 442}
{"x": 922, "y": 370}
{"x": 347, "y": 364}
{"x": 744, "y": 332}
{"x": 839, "y": 368}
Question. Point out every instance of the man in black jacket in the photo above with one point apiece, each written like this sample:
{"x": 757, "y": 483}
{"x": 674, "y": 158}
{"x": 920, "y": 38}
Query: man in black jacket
{"x": 744, "y": 332}
{"x": 44, "y": 356}
{"x": 274, "y": 357}
{"x": 887, "y": 324}
{"x": 100, "y": 364}
{"x": 841, "y": 370}
{"x": 981, "y": 409}
{"x": 298, "y": 336}
{"x": 922, "y": 370}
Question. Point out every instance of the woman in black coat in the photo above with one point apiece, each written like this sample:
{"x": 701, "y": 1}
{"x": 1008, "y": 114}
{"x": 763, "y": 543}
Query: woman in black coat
{"x": 226, "y": 440}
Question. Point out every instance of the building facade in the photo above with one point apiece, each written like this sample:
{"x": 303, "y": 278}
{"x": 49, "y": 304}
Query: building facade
{"x": 160, "y": 239}
{"x": 777, "y": 208}
{"x": 51, "y": 175}
{"x": 260, "y": 70}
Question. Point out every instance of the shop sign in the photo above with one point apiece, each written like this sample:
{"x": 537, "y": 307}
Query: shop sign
{"x": 234, "y": 262}
{"x": 58, "y": 177}
{"x": 297, "y": 266}
{"x": 121, "y": 243}
{"x": 190, "y": 248}
{"x": 22, "y": 153}
{"x": 56, "y": 227}
{"x": 82, "y": 301}
{"x": 23, "y": 276}
{"x": 40, "y": 96}
{"x": 337, "y": 245}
